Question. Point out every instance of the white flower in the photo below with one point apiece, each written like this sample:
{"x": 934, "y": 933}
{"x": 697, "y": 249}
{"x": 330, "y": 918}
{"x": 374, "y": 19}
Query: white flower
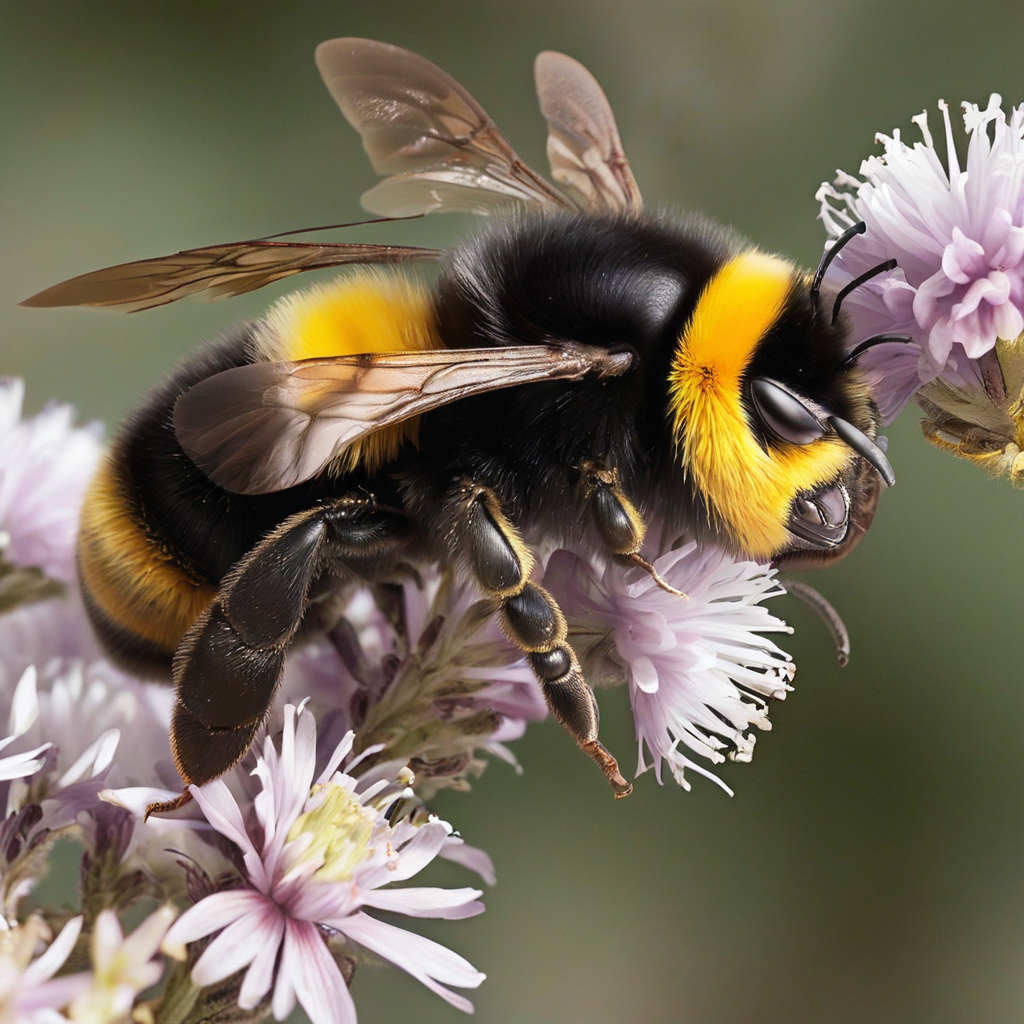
{"x": 68, "y": 722}
{"x": 958, "y": 237}
{"x": 37, "y": 633}
{"x": 699, "y": 672}
{"x": 123, "y": 966}
{"x": 85, "y": 713}
{"x": 24, "y": 710}
{"x": 45, "y": 465}
{"x": 29, "y": 993}
{"x": 315, "y": 856}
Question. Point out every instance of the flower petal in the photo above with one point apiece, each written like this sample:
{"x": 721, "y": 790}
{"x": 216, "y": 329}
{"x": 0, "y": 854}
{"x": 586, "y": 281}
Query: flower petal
{"x": 451, "y": 904}
{"x": 428, "y": 962}
{"x": 260, "y": 975}
{"x": 52, "y": 959}
{"x": 210, "y": 915}
{"x": 236, "y": 947}
{"x": 317, "y": 980}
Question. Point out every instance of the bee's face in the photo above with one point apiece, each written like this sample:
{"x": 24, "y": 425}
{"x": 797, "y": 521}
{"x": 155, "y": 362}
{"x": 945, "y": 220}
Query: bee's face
{"x": 773, "y": 426}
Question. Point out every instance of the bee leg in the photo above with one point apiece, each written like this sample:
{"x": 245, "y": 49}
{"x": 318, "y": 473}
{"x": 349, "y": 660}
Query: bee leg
{"x": 227, "y": 667}
{"x": 618, "y": 520}
{"x": 531, "y": 619}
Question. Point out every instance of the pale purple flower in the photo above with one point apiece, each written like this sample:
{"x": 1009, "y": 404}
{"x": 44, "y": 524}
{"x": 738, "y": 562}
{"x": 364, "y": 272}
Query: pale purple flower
{"x": 68, "y": 721}
{"x": 37, "y": 633}
{"x": 957, "y": 234}
{"x": 455, "y": 688}
{"x": 29, "y": 992}
{"x": 699, "y": 672}
{"x": 316, "y": 854}
{"x": 45, "y": 466}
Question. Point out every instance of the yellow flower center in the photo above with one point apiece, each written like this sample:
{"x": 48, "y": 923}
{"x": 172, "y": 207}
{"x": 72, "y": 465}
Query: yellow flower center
{"x": 341, "y": 829}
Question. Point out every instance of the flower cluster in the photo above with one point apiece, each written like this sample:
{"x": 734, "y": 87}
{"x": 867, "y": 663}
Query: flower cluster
{"x": 275, "y": 872}
{"x": 956, "y": 231}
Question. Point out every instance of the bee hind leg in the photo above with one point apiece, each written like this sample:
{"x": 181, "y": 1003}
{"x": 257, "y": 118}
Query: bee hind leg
{"x": 228, "y": 666}
{"x": 531, "y": 619}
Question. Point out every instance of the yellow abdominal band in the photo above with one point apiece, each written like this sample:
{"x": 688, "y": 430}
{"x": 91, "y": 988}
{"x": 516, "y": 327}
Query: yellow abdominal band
{"x": 364, "y": 311}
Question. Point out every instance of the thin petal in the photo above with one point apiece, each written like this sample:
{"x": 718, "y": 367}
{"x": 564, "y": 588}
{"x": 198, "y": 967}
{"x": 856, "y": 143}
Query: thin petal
{"x": 318, "y": 982}
{"x": 25, "y": 705}
{"x": 260, "y": 975}
{"x": 107, "y": 937}
{"x": 210, "y": 915}
{"x": 451, "y": 904}
{"x": 237, "y": 945}
{"x": 18, "y": 766}
{"x": 420, "y": 850}
{"x": 460, "y": 852}
{"x": 428, "y": 962}
{"x": 50, "y": 962}
{"x": 223, "y": 814}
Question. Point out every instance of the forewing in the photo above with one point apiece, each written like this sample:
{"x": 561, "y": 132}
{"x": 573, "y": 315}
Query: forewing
{"x": 437, "y": 145}
{"x": 584, "y": 148}
{"x": 228, "y": 269}
{"x": 269, "y": 426}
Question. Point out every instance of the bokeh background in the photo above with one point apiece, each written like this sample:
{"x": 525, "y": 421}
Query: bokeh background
{"x": 871, "y": 864}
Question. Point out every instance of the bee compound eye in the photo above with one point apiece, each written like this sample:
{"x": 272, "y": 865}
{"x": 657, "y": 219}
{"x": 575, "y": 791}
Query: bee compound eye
{"x": 783, "y": 413}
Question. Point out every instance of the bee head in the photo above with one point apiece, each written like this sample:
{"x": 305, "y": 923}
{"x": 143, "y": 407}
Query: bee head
{"x": 770, "y": 418}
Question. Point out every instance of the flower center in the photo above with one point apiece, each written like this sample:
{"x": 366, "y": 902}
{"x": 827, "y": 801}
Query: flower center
{"x": 340, "y": 828}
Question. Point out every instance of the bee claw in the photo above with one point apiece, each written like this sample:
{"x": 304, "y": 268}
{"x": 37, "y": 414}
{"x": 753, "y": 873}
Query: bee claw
{"x": 165, "y": 806}
{"x": 637, "y": 560}
{"x": 599, "y": 753}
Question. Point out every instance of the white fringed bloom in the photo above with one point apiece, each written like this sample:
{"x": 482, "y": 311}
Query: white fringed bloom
{"x": 315, "y": 856}
{"x": 699, "y": 672}
{"x": 29, "y": 992}
{"x": 958, "y": 237}
{"x": 45, "y": 466}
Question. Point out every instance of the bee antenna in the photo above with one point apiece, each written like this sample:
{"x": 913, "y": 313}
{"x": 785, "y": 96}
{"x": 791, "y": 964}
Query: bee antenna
{"x": 858, "y": 281}
{"x": 858, "y": 229}
{"x": 878, "y": 339}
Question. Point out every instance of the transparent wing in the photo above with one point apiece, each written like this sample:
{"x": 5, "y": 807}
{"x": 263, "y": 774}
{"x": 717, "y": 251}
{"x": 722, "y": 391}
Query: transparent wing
{"x": 268, "y": 426}
{"x": 228, "y": 269}
{"x": 437, "y": 145}
{"x": 584, "y": 148}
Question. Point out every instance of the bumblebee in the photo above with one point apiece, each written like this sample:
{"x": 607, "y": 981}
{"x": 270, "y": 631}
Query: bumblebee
{"x": 579, "y": 370}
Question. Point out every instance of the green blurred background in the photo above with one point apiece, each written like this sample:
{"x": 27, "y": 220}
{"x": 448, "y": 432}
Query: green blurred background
{"x": 871, "y": 864}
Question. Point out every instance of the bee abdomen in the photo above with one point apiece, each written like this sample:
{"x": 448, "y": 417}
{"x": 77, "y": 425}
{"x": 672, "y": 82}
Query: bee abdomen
{"x": 139, "y": 597}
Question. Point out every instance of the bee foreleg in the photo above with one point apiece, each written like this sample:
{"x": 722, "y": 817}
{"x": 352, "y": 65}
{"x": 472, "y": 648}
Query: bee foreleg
{"x": 618, "y": 520}
{"x": 530, "y": 618}
{"x": 227, "y": 667}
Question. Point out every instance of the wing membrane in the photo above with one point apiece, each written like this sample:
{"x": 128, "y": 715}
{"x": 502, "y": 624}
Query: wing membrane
{"x": 584, "y": 148}
{"x": 228, "y": 269}
{"x": 269, "y": 426}
{"x": 421, "y": 128}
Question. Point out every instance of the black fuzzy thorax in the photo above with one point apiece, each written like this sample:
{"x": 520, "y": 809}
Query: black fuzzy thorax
{"x": 615, "y": 283}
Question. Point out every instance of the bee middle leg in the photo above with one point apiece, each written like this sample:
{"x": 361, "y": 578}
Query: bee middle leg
{"x": 228, "y": 666}
{"x": 530, "y": 618}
